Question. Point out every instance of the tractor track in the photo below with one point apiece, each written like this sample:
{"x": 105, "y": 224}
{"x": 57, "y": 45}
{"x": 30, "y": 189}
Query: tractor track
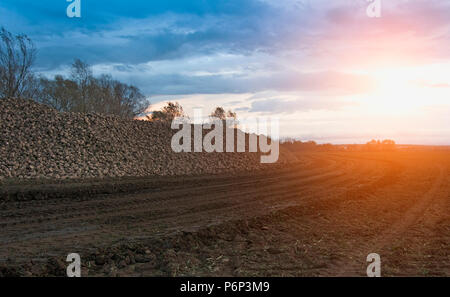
{"x": 327, "y": 202}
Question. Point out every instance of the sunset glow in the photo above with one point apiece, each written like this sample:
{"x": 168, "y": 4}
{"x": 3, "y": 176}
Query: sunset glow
{"x": 324, "y": 67}
{"x": 405, "y": 90}
{"x": 225, "y": 147}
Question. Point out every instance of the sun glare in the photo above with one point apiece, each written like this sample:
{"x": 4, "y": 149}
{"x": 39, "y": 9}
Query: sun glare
{"x": 406, "y": 90}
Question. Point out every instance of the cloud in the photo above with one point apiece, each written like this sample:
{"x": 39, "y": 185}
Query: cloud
{"x": 333, "y": 32}
{"x": 432, "y": 85}
{"x": 408, "y": 33}
{"x": 308, "y": 57}
{"x": 284, "y": 106}
{"x": 297, "y": 37}
{"x": 232, "y": 73}
{"x": 136, "y": 32}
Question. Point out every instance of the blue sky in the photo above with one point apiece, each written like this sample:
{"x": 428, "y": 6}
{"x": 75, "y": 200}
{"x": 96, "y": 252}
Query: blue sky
{"x": 133, "y": 32}
{"x": 324, "y": 67}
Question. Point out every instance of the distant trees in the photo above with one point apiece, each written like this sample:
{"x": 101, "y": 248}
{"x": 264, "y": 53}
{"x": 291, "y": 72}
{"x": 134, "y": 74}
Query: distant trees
{"x": 174, "y": 109}
{"x": 378, "y": 145}
{"x": 17, "y": 55}
{"x": 167, "y": 113}
{"x": 229, "y": 117}
{"x": 371, "y": 146}
{"x": 83, "y": 92}
{"x": 80, "y": 92}
{"x": 60, "y": 93}
{"x": 220, "y": 113}
{"x": 297, "y": 145}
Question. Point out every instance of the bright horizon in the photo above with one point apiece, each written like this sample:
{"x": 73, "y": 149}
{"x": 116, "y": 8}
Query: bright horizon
{"x": 327, "y": 70}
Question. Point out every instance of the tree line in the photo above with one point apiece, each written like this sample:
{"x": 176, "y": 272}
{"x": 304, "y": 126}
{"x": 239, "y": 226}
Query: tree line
{"x": 81, "y": 91}
{"x": 174, "y": 109}
{"x": 371, "y": 146}
{"x": 298, "y": 145}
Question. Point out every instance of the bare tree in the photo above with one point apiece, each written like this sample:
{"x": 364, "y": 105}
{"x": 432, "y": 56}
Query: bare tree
{"x": 60, "y": 93}
{"x": 83, "y": 92}
{"x": 229, "y": 117}
{"x": 127, "y": 100}
{"x": 81, "y": 74}
{"x": 17, "y": 55}
{"x": 167, "y": 113}
{"x": 218, "y": 113}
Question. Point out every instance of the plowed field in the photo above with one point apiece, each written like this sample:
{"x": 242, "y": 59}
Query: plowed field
{"x": 320, "y": 216}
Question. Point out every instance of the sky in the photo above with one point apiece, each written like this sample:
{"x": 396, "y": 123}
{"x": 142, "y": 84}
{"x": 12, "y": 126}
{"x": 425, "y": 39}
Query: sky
{"x": 326, "y": 69}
